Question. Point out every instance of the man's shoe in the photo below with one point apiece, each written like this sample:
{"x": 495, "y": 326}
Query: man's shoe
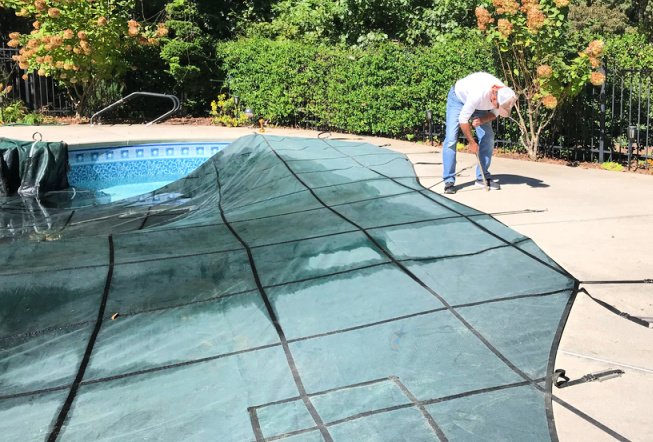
{"x": 449, "y": 188}
{"x": 493, "y": 185}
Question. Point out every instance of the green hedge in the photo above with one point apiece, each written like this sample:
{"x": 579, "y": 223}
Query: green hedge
{"x": 383, "y": 91}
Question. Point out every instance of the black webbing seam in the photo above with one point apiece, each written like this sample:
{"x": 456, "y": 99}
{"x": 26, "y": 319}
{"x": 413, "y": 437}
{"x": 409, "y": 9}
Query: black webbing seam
{"x": 325, "y": 187}
{"x": 63, "y": 413}
{"x": 452, "y": 310}
{"x": 547, "y": 388}
{"x": 134, "y": 313}
{"x": 321, "y": 393}
{"x": 559, "y": 270}
{"x": 141, "y": 372}
{"x": 178, "y": 364}
{"x": 420, "y": 406}
{"x": 418, "y": 280}
{"x": 616, "y": 311}
{"x": 290, "y": 341}
{"x": 297, "y": 212}
{"x": 145, "y": 218}
{"x": 122, "y": 263}
{"x": 327, "y": 275}
{"x": 47, "y": 330}
{"x": 282, "y": 337}
{"x": 34, "y": 392}
{"x": 256, "y": 426}
{"x": 407, "y": 223}
{"x": 590, "y": 419}
{"x": 370, "y": 324}
{"x": 67, "y": 221}
{"x": 403, "y": 406}
{"x": 186, "y": 304}
{"x": 344, "y": 330}
{"x": 398, "y": 155}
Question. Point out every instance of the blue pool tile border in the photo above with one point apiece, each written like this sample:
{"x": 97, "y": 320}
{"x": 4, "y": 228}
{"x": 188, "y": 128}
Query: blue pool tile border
{"x": 144, "y": 152}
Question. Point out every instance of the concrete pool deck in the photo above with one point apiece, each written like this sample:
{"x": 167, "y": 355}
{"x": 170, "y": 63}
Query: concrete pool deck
{"x": 595, "y": 223}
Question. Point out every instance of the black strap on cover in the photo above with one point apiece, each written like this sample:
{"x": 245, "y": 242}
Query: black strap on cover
{"x": 560, "y": 379}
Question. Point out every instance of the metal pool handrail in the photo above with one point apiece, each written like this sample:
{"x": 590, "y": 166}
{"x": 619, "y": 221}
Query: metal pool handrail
{"x": 175, "y": 107}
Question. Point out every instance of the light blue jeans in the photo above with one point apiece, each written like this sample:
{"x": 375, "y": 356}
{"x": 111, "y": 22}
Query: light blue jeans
{"x": 483, "y": 132}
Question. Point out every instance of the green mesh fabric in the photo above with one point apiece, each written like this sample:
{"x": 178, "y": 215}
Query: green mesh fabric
{"x": 289, "y": 289}
{"x": 29, "y": 167}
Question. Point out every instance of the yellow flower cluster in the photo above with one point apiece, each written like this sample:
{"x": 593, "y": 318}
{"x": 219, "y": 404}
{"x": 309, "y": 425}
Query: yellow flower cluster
{"x": 561, "y": 3}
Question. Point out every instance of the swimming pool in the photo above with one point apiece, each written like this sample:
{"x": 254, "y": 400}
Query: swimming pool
{"x": 127, "y": 171}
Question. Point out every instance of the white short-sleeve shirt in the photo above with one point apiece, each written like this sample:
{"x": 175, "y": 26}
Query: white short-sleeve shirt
{"x": 474, "y": 92}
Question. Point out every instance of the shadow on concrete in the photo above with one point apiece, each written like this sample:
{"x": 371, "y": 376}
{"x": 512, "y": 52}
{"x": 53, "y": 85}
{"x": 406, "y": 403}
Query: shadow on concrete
{"x": 506, "y": 180}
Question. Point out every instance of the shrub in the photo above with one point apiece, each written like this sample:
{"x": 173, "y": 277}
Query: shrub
{"x": 381, "y": 91}
{"x": 224, "y": 112}
{"x": 16, "y": 112}
{"x": 609, "y": 165}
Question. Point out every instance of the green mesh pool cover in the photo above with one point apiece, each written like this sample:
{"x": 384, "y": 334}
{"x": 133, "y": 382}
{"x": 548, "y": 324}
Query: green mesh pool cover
{"x": 289, "y": 289}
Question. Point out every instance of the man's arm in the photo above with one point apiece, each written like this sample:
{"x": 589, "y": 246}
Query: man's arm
{"x": 476, "y": 122}
{"x": 467, "y": 131}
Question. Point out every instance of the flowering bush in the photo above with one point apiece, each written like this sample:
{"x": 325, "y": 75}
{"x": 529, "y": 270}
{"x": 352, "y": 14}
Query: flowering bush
{"x": 79, "y": 42}
{"x": 537, "y": 58}
{"x": 224, "y": 112}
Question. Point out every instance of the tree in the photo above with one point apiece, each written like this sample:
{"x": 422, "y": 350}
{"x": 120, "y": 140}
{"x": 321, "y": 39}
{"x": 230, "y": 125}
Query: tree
{"x": 190, "y": 52}
{"x": 538, "y": 60}
{"x": 361, "y": 22}
{"x": 79, "y": 42}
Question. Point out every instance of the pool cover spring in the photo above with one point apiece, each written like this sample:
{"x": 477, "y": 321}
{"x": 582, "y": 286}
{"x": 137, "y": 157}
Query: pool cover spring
{"x": 288, "y": 289}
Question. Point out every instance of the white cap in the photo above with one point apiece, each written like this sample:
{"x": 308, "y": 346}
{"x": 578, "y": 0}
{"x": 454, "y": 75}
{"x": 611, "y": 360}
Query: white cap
{"x": 506, "y": 100}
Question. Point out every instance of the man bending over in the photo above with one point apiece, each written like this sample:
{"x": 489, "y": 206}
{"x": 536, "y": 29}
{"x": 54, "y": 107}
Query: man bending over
{"x": 480, "y": 97}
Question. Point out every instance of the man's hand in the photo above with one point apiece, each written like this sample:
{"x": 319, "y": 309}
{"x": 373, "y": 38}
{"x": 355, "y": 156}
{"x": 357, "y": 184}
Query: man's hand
{"x": 476, "y": 122}
{"x": 473, "y": 147}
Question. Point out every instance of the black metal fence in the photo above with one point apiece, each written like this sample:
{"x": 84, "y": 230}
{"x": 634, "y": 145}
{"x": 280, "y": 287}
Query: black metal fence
{"x": 594, "y": 126}
{"x": 39, "y": 94}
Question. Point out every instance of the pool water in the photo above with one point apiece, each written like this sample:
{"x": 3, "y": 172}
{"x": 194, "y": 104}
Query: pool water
{"x": 123, "y": 191}
{"x": 128, "y": 171}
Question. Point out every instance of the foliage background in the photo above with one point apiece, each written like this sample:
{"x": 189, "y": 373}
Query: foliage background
{"x": 365, "y": 66}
